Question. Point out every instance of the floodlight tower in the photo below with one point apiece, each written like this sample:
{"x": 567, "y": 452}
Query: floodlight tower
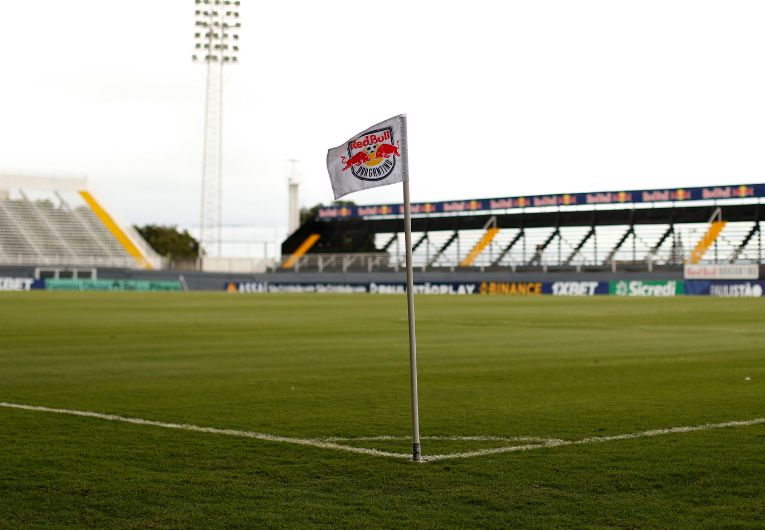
{"x": 216, "y": 43}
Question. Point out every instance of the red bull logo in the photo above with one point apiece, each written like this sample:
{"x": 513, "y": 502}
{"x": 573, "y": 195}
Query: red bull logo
{"x": 372, "y": 156}
{"x": 546, "y": 200}
{"x": 496, "y": 204}
{"x": 656, "y": 196}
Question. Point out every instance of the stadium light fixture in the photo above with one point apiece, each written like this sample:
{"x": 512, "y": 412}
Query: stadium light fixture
{"x": 216, "y": 28}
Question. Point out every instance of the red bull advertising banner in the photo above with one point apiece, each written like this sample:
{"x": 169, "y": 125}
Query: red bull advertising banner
{"x": 739, "y": 191}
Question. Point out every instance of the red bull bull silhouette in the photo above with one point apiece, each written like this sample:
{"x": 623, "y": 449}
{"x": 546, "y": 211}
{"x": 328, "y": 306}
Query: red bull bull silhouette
{"x": 356, "y": 160}
{"x": 386, "y": 150}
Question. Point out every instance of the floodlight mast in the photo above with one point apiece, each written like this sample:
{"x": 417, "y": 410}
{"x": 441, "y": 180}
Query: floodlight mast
{"x": 216, "y": 43}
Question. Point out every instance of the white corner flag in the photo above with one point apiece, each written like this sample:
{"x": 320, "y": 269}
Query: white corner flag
{"x": 373, "y": 158}
{"x": 377, "y": 157}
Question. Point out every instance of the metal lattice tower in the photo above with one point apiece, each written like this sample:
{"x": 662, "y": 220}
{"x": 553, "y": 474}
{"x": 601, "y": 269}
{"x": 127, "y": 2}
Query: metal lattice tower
{"x": 216, "y": 43}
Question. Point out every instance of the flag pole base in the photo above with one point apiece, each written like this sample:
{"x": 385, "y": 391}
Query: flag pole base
{"x": 416, "y": 452}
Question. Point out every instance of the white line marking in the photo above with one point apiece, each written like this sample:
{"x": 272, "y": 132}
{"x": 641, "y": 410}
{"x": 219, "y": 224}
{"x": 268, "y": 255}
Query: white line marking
{"x": 329, "y": 443}
{"x": 478, "y": 438}
{"x": 186, "y": 427}
{"x": 597, "y": 439}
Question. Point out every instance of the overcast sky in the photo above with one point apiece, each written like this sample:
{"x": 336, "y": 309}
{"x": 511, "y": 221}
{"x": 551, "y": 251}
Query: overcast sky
{"x": 503, "y": 97}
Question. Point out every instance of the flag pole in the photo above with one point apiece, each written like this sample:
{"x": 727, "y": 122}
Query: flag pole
{"x": 342, "y": 185}
{"x": 416, "y": 449}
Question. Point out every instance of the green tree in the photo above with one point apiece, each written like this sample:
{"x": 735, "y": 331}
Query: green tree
{"x": 168, "y": 241}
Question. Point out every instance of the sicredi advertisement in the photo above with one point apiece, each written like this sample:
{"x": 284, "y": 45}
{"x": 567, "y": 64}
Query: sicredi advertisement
{"x": 647, "y": 288}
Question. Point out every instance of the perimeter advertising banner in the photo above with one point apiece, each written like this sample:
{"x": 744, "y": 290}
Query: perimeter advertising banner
{"x": 738, "y": 191}
{"x": 425, "y": 288}
{"x": 351, "y": 288}
{"x": 268, "y": 287}
{"x": 647, "y": 288}
{"x": 732, "y": 289}
{"x": 726, "y": 271}
{"x": 511, "y": 288}
{"x": 576, "y": 288}
{"x": 111, "y": 285}
{"x": 440, "y": 288}
{"x": 16, "y": 284}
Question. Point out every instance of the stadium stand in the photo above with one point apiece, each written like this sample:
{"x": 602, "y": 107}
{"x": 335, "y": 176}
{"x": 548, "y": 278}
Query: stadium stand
{"x": 56, "y": 221}
{"x": 626, "y": 234}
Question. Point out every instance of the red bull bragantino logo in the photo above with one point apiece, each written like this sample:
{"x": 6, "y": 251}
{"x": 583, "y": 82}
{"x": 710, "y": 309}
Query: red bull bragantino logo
{"x": 372, "y": 155}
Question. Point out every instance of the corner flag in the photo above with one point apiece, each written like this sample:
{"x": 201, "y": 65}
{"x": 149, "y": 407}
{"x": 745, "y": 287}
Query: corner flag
{"x": 377, "y": 157}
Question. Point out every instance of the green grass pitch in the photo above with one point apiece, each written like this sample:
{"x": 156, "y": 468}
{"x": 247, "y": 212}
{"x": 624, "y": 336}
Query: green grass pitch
{"x": 315, "y": 366}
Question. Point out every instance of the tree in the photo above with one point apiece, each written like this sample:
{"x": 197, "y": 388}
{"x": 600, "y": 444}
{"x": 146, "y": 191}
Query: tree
{"x": 168, "y": 241}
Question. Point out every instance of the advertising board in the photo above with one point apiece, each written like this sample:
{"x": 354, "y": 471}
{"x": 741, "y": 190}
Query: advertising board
{"x": 633, "y": 288}
{"x": 351, "y": 288}
{"x": 511, "y": 288}
{"x": 268, "y": 287}
{"x": 575, "y": 288}
{"x": 425, "y": 288}
{"x": 16, "y": 284}
{"x": 646, "y": 288}
{"x": 731, "y": 289}
{"x": 112, "y": 285}
{"x": 440, "y": 288}
{"x": 722, "y": 272}
{"x": 738, "y": 191}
